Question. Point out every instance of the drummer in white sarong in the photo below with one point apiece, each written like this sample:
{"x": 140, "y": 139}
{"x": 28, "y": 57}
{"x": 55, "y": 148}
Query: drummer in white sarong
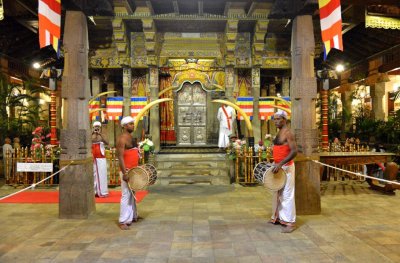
{"x": 128, "y": 157}
{"x": 284, "y": 151}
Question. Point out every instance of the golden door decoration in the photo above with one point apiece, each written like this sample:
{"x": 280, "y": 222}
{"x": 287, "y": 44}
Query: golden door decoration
{"x": 191, "y": 114}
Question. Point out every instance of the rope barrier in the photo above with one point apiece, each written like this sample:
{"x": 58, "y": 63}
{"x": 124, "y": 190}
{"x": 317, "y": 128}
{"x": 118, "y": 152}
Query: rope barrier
{"x": 34, "y": 184}
{"x": 358, "y": 174}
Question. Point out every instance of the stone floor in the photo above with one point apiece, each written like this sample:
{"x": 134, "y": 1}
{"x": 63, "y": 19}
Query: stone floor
{"x": 198, "y": 223}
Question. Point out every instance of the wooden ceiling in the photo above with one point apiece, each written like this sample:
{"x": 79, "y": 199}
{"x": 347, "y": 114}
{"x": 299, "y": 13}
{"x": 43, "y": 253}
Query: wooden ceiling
{"x": 19, "y": 39}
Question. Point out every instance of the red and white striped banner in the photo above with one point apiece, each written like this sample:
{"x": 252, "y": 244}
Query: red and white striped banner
{"x": 49, "y": 23}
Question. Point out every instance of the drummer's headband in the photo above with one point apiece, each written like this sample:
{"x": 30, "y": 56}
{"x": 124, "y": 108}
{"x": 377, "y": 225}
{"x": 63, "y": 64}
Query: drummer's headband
{"x": 281, "y": 113}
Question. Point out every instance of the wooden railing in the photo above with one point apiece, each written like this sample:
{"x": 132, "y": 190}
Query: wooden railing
{"x": 25, "y": 155}
{"x": 245, "y": 162}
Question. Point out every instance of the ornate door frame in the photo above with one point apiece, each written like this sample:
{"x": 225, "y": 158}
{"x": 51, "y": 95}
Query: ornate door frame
{"x": 191, "y": 114}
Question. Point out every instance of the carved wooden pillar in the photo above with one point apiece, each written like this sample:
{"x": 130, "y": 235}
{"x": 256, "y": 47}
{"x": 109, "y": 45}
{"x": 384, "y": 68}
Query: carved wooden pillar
{"x": 127, "y": 90}
{"x": 303, "y": 91}
{"x": 53, "y": 118}
{"x": 255, "y": 83}
{"x": 324, "y": 114}
{"x": 76, "y": 181}
{"x": 155, "y": 110}
{"x": 285, "y": 86}
{"x": 378, "y": 100}
{"x": 346, "y": 97}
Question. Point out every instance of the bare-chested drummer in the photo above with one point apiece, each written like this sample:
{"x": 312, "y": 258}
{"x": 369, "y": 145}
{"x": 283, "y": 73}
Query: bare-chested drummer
{"x": 128, "y": 157}
{"x": 284, "y": 151}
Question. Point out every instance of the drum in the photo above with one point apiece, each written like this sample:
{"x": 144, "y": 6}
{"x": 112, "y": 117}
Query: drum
{"x": 138, "y": 178}
{"x": 259, "y": 171}
{"x": 274, "y": 181}
{"x": 151, "y": 171}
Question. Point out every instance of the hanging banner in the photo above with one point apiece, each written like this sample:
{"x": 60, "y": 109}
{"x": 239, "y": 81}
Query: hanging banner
{"x": 137, "y": 104}
{"x": 114, "y": 108}
{"x": 246, "y": 104}
{"x": 265, "y": 108}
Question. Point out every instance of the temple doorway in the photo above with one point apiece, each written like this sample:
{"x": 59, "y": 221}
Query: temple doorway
{"x": 191, "y": 113}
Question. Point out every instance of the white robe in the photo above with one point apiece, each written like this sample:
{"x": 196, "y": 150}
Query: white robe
{"x": 225, "y": 125}
{"x": 100, "y": 174}
{"x": 283, "y": 201}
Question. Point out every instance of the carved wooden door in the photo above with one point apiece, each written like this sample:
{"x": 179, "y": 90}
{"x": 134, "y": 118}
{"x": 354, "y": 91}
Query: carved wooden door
{"x": 191, "y": 115}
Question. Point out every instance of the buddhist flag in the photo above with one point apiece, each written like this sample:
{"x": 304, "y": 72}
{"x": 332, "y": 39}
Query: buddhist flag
{"x": 265, "y": 108}
{"x": 137, "y": 104}
{"x": 94, "y": 107}
{"x": 284, "y": 104}
{"x": 49, "y": 23}
{"x": 114, "y": 108}
{"x": 330, "y": 14}
{"x": 246, "y": 104}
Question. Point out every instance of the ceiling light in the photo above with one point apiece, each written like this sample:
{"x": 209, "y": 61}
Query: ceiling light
{"x": 36, "y": 65}
{"x": 339, "y": 68}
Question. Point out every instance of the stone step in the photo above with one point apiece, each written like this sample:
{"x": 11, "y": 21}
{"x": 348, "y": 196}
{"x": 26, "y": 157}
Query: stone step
{"x": 194, "y": 179}
{"x": 191, "y": 165}
{"x": 192, "y": 157}
{"x": 186, "y": 172}
{"x": 192, "y": 168}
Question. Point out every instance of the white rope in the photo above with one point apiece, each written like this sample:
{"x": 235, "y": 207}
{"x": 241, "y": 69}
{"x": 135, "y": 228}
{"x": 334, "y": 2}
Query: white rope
{"x": 358, "y": 174}
{"x": 34, "y": 184}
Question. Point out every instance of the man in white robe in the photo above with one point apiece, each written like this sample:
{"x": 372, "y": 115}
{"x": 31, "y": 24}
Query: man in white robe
{"x": 226, "y": 116}
{"x": 99, "y": 161}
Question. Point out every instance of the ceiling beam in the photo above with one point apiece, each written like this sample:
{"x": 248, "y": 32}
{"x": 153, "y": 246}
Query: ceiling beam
{"x": 176, "y": 7}
{"x": 252, "y": 8}
{"x": 27, "y": 8}
{"x": 200, "y": 5}
{"x": 227, "y": 7}
{"x": 150, "y": 7}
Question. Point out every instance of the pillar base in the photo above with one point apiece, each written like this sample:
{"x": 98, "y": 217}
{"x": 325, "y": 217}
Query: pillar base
{"x": 307, "y": 191}
{"x": 77, "y": 192}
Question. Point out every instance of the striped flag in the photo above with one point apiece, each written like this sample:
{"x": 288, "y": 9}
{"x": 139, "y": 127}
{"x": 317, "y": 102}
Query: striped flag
{"x": 114, "y": 108}
{"x": 266, "y": 111}
{"x": 283, "y": 104}
{"x": 246, "y": 104}
{"x": 94, "y": 114}
{"x": 49, "y": 23}
{"x": 137, "y": 104}
{"x": 331, "y": 25}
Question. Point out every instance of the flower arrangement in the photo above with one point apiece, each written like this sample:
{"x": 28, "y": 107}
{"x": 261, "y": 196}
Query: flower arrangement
{"x": 234, "y": 147}
{"x": 147, "y": 145}
{"x": 41, "y": 144}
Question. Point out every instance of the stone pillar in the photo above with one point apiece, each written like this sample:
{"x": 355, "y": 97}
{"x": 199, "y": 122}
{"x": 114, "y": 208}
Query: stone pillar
{"x": 378, "y": 100}
{"x": 155, "y": 110}
{"x": 76, "y": 181}
{"x": 303, "y": 91}
{"x": 255, "y": 89}
{"x": 346, "y": 97}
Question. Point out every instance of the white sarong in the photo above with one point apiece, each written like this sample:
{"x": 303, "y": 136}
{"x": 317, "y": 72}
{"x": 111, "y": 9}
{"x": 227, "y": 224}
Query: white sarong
{"x": 283, "y": 201}
{"x": 128, "y": 211}
{"x": 100, "y": 169}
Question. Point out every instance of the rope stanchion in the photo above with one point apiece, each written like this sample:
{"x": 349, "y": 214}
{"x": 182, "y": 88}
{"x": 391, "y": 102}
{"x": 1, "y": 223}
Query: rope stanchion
{"x": 34, "y": 184}
{"x": 358, "y": 174}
